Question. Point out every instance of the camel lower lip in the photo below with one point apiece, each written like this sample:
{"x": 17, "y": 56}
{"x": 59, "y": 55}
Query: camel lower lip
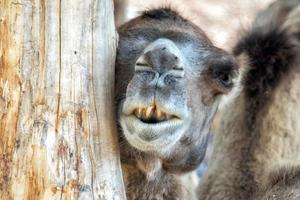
{"x": 150, "y": 137}
{"x": 136, "y": 127}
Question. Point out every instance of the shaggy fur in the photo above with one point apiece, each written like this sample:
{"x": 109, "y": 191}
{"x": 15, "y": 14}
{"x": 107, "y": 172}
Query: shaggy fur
{"x": 282, "y": 184}
{"x": 257, "y": 144}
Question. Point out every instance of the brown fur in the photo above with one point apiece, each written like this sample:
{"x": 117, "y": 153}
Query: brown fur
{"x": 282, "y": 184}
{"x": 257, "y": 144}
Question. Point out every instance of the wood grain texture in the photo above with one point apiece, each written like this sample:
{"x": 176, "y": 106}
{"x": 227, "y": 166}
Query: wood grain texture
{"x": 57, "y": 125}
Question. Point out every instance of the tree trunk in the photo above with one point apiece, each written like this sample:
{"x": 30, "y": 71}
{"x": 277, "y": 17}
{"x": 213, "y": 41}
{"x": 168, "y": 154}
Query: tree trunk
{"x": 57, "y": 125}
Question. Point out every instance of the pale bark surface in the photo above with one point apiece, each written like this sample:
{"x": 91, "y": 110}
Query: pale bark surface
{"x": 57, "y": 124}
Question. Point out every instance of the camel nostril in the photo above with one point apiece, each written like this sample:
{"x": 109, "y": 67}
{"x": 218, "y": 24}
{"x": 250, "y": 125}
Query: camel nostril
{"x": 169, "y": 80}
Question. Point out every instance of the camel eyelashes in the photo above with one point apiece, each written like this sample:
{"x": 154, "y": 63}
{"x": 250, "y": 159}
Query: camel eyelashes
{"x": 224, "y": 78}
{"x": 223, "y": 75}
{"x": 142, "y": 64}
{"x": 178, "y": 68}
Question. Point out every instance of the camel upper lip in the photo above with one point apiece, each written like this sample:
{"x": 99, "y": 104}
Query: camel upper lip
{"x": 152, "y": 114}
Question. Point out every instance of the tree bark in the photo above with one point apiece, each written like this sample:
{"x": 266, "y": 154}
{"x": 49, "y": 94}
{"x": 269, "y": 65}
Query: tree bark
{"x": 57, "y": 126}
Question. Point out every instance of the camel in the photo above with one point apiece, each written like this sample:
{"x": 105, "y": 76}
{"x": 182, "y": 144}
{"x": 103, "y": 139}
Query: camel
{"x": 257, "y": 143}
{"x": 169, "y": 82}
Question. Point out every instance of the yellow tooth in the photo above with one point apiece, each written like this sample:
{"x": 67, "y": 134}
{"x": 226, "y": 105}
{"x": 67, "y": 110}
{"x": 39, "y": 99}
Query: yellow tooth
{"x": 149, "y": 111}
{"x": 141, "y": 111}
{"x": 158, "y": 114}
{"x": 144, "y": 113}
{"x": 138, "y": 112}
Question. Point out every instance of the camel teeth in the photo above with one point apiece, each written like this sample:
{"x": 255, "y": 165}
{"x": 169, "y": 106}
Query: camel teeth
{"x": 149, "y": 111}
{"x": 138, "y": 112}
{"x": 158, "y": 113}
{"x": 144, "y": 113}
{"x": 152, "y": 112}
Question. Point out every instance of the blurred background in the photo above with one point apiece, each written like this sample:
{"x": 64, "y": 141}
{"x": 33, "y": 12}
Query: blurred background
{"x": 222, "y": 20}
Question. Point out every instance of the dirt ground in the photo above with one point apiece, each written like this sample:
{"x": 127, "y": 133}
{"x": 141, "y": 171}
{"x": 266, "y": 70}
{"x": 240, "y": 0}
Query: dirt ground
{"x": 222, "y": 20}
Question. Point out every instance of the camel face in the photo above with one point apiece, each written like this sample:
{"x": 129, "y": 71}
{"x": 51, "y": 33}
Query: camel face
{"x": 169, "y": 78}
{"x": 155, "y": 113}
